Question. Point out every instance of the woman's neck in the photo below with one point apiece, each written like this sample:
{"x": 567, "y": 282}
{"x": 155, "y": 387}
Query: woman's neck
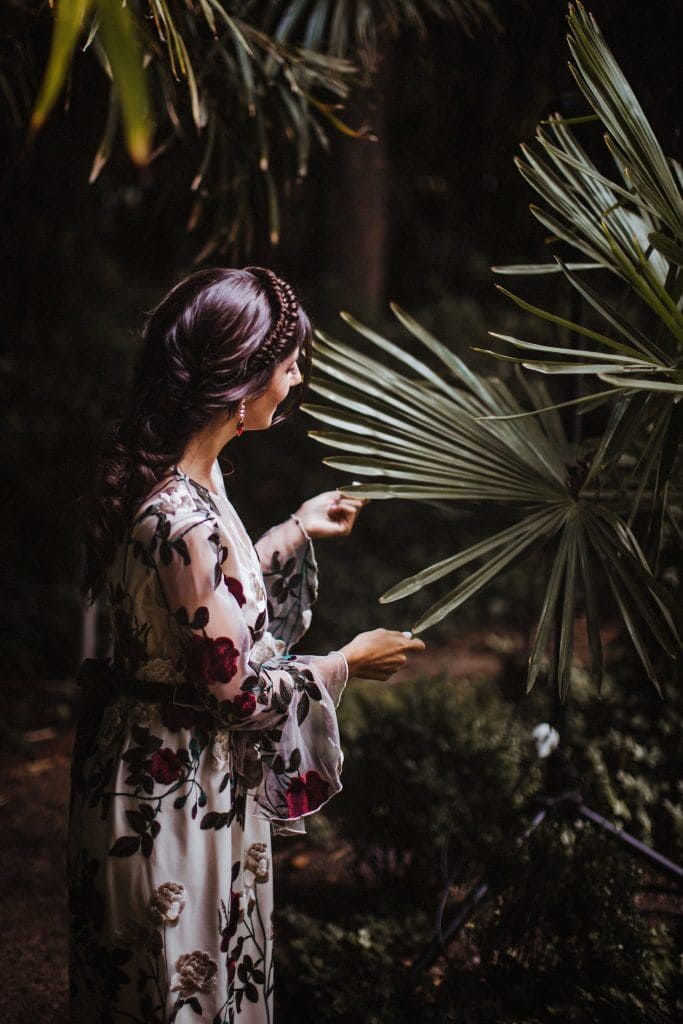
{"x": 203, "y": 450}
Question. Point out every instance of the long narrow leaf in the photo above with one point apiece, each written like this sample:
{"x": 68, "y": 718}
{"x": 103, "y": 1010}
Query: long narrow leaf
{"x": 121, "y": 41}
{"x": 566, "y": 638}
{"x": 592, "y": 616}
{"x": 68, "y": 26}
{"x": 472, "y": 585}
{"x": 538, "y": 523}
{"x": 547, "y": 614}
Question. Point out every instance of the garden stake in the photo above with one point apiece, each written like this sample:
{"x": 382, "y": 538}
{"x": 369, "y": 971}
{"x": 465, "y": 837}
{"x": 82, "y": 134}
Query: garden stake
{"x": 567, "y": 804}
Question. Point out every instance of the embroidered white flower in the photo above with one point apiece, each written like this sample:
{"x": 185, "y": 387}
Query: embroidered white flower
{"x": 265, "y": 649}
{"x": 547, "y": 739}
{"x": 256, "y": 865}
{"x": 159, "y": 670}
{"x": 171, "y": 502}
{"x": 111, "y": 721}
{"x": 220, "y": 751}
{"x": 141, "y": 714}
{"x": 195, "y": 972}
{"x": 252, "y": 766}
{"x": 167, "y": 902}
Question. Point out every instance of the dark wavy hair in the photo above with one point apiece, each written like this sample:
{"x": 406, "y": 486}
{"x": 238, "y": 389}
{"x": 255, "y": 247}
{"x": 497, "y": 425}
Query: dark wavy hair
{"x": 194, "y": 367}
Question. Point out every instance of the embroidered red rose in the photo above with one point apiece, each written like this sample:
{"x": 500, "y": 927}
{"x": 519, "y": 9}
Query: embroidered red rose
{"x": 210, "y": 661}
{"x": 165, "y": 766}
{"x": 235, "y": 588}
{"x": 244, "y": 703}
{"x": 306, "y": 793}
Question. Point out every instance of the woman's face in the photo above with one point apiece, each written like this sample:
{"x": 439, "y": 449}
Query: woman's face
{"x": 260, "y": 411}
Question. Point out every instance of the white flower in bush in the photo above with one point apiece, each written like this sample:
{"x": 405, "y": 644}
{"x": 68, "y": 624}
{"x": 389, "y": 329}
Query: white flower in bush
{"x": 547, "y": 739}
{"x": 195, "y": 972}
{"x": 167, "y": 903}
{"x": 159, "y": 670}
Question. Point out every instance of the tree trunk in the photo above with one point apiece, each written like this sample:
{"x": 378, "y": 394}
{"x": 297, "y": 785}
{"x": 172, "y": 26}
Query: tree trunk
{"x": 355, "y": 201}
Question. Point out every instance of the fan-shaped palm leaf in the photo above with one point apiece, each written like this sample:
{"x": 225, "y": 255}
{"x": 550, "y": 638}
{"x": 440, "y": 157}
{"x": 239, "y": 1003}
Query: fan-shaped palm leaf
{"x": 383, "y": 422}
{"x": 631, "y": 227}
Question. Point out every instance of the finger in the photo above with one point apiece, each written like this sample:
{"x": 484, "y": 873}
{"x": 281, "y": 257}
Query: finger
{"x": 342, "y": 515}
{"x": 416, "y": 645}
{"x": 353, "y": 506}
{"x": 350, "y": 497}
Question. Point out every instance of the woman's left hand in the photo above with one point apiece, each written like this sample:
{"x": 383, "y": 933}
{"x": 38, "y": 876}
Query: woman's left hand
{"x": 330, "y": 514}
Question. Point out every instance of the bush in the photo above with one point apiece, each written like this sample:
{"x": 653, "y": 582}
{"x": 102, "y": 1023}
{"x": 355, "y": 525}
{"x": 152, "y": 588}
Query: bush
{"x": 560, "y": 935}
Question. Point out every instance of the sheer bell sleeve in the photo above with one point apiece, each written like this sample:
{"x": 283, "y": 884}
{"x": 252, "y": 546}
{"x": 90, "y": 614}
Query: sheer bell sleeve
{"x": 290, "y": 573}
{"x": 284, "y": 702}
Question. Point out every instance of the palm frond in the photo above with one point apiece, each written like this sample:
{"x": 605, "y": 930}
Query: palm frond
{"x": 273, "y": 75}
{"x": 632, "y": 227}
{"x": 381, "y": 413}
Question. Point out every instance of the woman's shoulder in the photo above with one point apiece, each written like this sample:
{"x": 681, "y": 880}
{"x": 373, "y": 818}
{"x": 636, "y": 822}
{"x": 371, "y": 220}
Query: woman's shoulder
{"x": 171, "y": 508}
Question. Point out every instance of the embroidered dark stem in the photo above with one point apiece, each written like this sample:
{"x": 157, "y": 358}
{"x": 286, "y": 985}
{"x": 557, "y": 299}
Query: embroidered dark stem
{"x": 251, "y": 931}
{"x": 177, "y": 1007}
{"x": 267, "y": 972}
{"x": 154, "y": 975}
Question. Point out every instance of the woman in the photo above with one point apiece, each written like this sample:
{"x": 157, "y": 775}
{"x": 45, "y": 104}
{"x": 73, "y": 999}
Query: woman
{"x": 205, "y": 731}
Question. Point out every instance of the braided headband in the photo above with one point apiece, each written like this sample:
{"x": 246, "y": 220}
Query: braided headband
{"x": 285, "y": 324}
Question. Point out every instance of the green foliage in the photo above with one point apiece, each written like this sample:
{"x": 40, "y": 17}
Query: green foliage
{"x": 122, "y": 56}
{"x": 550, "y": 495}
{"x": 338, "y": 971}
{"x": 633, "y": 228}
{"x": 602, "y": 507}
{"x": 569, "y": 931}
{"x": 628, "y": 748}
{"x": 247, "y": 87}
{"x": 434, "y": 759}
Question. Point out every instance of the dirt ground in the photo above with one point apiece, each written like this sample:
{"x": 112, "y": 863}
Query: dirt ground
{"x": 34, "y": 798}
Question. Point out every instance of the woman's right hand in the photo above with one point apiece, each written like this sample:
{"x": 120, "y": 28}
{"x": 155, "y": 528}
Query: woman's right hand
{"x": 379, "y": 653}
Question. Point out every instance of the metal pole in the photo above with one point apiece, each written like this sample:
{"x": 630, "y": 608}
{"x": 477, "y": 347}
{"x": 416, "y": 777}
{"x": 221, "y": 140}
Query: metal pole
{"x": 656, "y": 859}
{"x": 468, "y": 905}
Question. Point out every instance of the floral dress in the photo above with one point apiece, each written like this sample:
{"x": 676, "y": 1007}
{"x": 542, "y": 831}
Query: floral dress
{"x": 172, "y": 804}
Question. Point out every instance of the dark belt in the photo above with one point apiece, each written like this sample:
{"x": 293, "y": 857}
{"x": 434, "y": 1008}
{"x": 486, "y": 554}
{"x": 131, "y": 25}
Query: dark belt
{"x": 99, "y": 677}
{"x": 101, "y": 684}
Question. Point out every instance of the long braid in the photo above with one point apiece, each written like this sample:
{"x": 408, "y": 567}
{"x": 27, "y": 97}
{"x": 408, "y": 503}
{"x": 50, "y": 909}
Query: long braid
{"x": 284, "y": 328}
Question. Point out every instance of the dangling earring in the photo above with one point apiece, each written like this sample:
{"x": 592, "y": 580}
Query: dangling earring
{"x": 240, "y": 419}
